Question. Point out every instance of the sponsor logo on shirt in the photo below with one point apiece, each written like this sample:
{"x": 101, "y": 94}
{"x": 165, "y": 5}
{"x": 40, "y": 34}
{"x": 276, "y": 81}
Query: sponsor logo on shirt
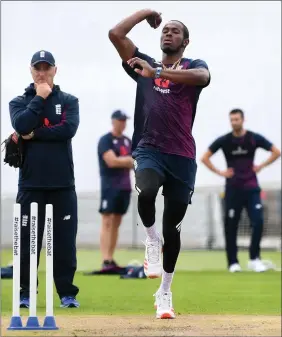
{"x": 160, "y": 82}
{"x": 162, "y": 85}
{"x": 162, "y": 91}
{"x": 239, "y": 151}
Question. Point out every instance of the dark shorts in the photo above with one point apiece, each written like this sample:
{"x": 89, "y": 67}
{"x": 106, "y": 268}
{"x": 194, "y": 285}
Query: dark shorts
{"x": 114, "y": 201}
{"x": 179, "y": 172}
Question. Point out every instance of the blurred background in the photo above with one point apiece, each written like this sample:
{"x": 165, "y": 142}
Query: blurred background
{"x": 241, "y": 43}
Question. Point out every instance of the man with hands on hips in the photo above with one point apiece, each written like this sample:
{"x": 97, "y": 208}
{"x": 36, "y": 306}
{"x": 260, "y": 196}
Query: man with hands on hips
{"x": 242, "y": 189}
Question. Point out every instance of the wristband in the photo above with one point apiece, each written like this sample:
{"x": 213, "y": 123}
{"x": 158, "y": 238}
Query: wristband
{"x": 158, "y": 72}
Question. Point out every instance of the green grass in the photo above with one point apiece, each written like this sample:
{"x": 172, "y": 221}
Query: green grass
{"x": 201, "y": 286}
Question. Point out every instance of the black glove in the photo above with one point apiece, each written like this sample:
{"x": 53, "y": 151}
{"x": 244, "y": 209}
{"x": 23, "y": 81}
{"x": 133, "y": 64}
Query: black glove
{"x": 14, "y": 150}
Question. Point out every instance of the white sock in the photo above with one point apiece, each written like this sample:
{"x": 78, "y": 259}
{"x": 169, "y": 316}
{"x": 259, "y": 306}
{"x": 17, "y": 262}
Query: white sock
{"x": 152, "y": 232}
{"x": 166, "y": 281}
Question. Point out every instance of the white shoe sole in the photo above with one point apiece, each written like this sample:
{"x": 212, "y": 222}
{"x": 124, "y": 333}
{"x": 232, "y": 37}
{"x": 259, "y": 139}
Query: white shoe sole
{"x": 165, "y": 315}
{"x": 235, "y": 271}
{"x": 258, "y": 271}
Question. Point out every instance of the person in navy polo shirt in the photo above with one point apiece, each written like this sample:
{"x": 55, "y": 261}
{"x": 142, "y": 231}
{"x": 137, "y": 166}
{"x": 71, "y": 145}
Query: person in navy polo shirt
{"x": 242, "y": 188}
{"x": 47, "y": 119}
{"x": 163, "y": 146}
{"x": 115, "y": 163}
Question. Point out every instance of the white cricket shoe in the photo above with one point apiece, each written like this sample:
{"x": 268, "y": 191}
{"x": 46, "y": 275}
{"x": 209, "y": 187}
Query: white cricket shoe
{"x": 153, "y": 258}
{"x": 259, "y": 266}
{"x": 235, "y": 267}
{"x": 163, "y": 304}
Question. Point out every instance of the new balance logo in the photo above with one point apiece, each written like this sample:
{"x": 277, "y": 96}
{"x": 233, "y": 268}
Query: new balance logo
{"x": 24, "y": 220}
{"x": 231, "y": 213}
{"x": 67, "y": 217}
{"x": 178, "y": 227}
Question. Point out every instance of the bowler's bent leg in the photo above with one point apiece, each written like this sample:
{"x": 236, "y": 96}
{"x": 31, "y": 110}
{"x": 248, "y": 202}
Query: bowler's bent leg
{"x": 148, "y": 182}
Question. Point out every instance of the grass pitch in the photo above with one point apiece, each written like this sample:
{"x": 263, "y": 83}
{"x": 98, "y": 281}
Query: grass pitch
{"x": 202, "y": 287}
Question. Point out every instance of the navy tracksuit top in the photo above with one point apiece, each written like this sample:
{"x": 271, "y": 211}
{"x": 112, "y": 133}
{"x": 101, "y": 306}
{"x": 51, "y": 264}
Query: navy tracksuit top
{"x": 48, "y": 162}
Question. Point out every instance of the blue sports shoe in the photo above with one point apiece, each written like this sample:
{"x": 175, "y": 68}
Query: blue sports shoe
{"x": 69, "y": 302}
{"x": 24, "y": 302}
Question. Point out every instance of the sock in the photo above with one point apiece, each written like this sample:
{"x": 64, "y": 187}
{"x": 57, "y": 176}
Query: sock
{"x": 166, "y": 281}
{"x": 108, "y": 262}
{"x": 152, "y": 232}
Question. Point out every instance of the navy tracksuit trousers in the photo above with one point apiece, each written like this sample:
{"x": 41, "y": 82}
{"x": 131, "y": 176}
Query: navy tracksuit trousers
{"x": 235, "y": 201}
{"x": 65, "y": 220}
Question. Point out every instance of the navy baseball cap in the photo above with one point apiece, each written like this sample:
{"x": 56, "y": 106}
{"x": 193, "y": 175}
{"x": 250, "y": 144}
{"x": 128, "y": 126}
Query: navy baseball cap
{"x": 119, "y": 115}
{"x": 42, "y": 56}
{"x": 134, "y": 272}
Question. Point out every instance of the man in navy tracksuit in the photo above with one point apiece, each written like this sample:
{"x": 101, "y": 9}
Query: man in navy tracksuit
{"x": 242, "y": 188}
{"x": 47, "y": 119}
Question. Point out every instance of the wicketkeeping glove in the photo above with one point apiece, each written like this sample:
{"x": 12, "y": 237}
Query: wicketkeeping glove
{"x": 13, "y": 146}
